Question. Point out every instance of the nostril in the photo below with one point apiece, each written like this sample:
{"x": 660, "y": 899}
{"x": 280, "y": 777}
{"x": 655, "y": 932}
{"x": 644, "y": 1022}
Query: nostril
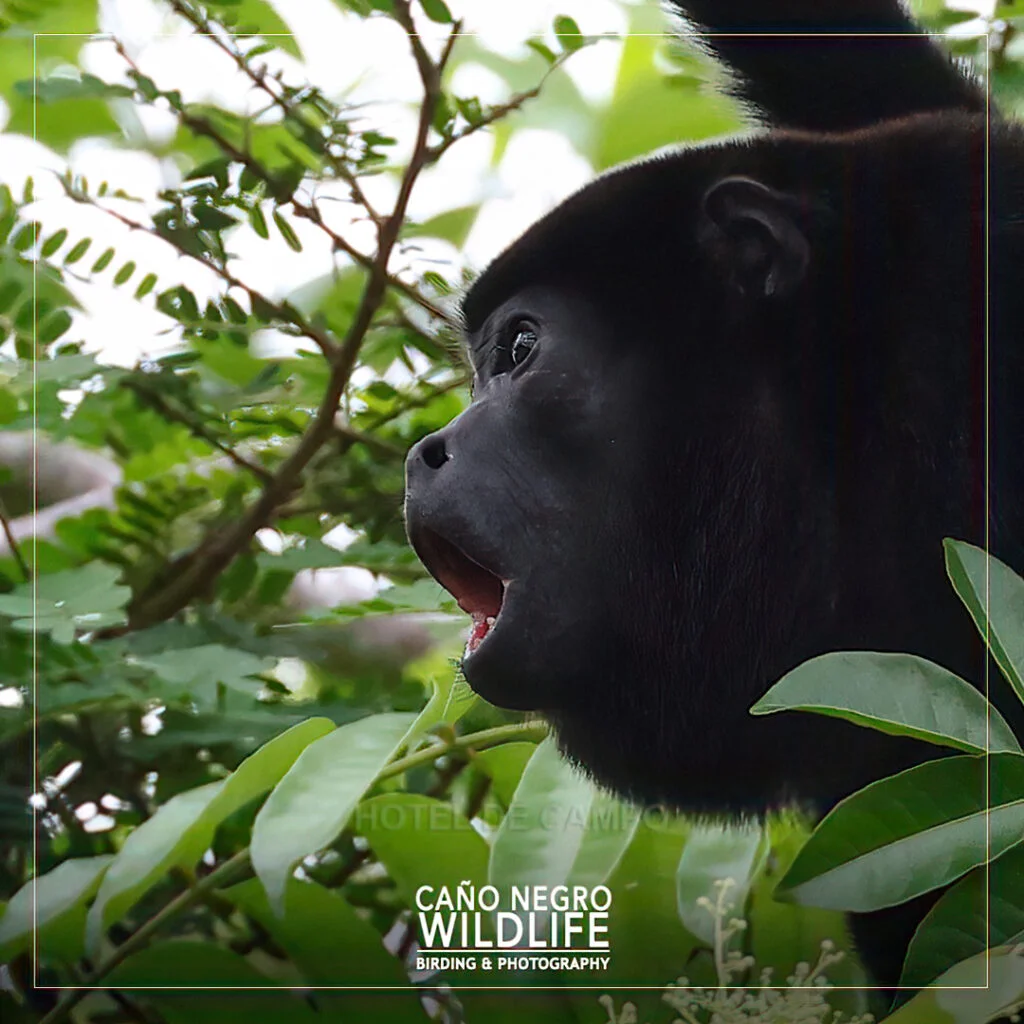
{"x": 434, "y": 452}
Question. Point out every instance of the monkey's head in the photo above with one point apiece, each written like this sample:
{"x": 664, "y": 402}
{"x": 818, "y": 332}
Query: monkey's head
{"x": 618, "y": 386}
{"x": 638, "y": 509}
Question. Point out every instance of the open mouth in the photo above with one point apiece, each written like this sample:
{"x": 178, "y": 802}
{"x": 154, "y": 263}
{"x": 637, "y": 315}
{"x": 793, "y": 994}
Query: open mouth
{"x": 479, "y": 592}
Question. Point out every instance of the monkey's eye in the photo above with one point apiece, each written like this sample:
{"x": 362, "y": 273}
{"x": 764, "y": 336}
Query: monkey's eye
{"x": 524, "y": 338}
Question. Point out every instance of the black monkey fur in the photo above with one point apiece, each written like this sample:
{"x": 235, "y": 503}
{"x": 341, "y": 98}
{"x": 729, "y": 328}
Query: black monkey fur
{"x": 728, "y": 402}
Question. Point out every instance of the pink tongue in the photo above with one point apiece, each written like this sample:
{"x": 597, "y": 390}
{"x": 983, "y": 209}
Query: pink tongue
{"x": 481, "y": 627}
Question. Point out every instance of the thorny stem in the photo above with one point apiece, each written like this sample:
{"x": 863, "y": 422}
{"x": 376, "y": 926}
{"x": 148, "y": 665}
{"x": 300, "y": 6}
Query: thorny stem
{"x": 240, "y": 865}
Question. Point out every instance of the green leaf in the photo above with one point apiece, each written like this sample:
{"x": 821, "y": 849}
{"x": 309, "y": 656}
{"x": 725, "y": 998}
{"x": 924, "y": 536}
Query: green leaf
{"x": 26, "y": 236}
{"x": 53, "y": 243}
{"x": 60, "y": 603}
{"x": 452, "y": 225}
{"x": 505, "y": 765}
{"x": 627, "y": 129}
{"x": 10, "y": 292}
{"x": 997, "y": 979}
{"x": 559, "y": 828}
{"x": 146, "y": 285}
{"x": 181, "y": 830}
{"x": 9, "y": 407}
{"x": 63, "y": 29}
{"x": 312, "y": 803}
{"x": 60, "y": 897}
{"x": 123, "y": 275}
{"x": 54, "y": 326}
{"x": 104, "y": 261}
{"x": 259, "y": 17}
{"x": 169, "y": 839}
{"x": 178, "y": 303}
{"x": 287, "y": 232}
{"x": 211, "y": 218}
{"x": 219, "y": 169}
{"x": 784, "y": 934}
{"x": 437, "y": 10}
{"x": 58, "y": 88}
{"x": 77, "y": 251}
{"x": 197, "y": 670}
{"x": 983, "y": 910}
{"x": 650, "y": 945}
{"x": 910, "y": 833}
{"x": 422, "y": 842}
{"x": 324, "y": 936}
{"x": 459, "y": 700}
{"x": 258, "y": 222}
{"x": 898, "y": 694}
{"x": 540, "y": 48}
{"x": 568, "y": 33}
{"x": 712, "y": 854}
{"x": 994, "y": 595}
{"x": 64, "y": 369}
{"x": 425, "y": 842}
{"x": 450, "y": 699}
{"x": 176, "y": 967}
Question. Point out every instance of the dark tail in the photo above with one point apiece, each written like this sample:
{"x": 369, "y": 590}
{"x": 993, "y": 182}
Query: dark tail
{"x": 845, "y": 63}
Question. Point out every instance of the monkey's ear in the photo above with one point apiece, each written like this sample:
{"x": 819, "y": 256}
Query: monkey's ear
{"x": 757, "y": 237}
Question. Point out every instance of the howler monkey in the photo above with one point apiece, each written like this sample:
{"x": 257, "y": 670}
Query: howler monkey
{"x": 728, "y": 402}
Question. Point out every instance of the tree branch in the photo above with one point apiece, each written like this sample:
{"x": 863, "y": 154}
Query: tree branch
{"x": 289, "y": 315}
{"x": 217, "y": 552}
{"x": 203, "y": 127}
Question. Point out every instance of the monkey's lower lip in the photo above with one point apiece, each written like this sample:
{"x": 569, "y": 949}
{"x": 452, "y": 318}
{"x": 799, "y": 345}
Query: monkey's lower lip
{"x": 478, "y": 591}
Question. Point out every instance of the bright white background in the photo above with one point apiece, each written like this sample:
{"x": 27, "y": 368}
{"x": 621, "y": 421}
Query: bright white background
{"x": 362, "y": 62}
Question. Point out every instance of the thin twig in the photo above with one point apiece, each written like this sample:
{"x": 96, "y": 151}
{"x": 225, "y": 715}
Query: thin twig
{"x": 497, "y": 113}
{"x": 311, "y": 212}
{"x": 197, "y": 428}
{"x": 205, "y": 128}
{"x": 352, "y": 436}
{"x": 322, "y": 339}
{"x": 230, "y": 870}
{"x": 417, "y": 403}
{"x": 16, "y": 554}
{"x": 259, "y": 80}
